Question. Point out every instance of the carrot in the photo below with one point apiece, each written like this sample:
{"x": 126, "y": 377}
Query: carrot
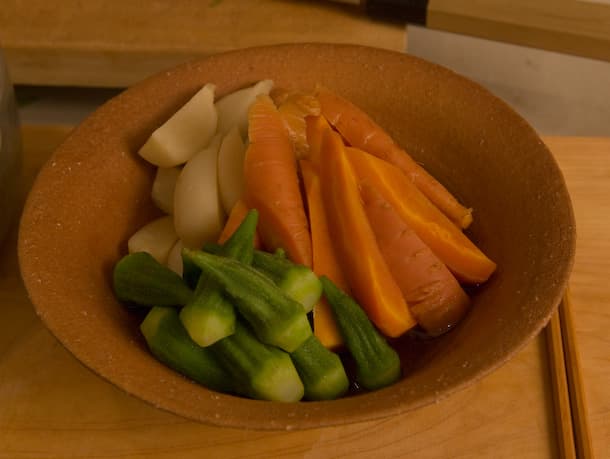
{"x": 316, "y": 126}
{"x": 324, "y": 257}
{"x": 236, "y": 216}
{"x": 272, "y": 184}
{"x": 279, "y": 95}
{"x": 433, "y": 294}
{"x": 362, "y": 132}
{"x": 463, "y": 258}
{"x": 367, "y": 273}
{"x": 295, "y": 106}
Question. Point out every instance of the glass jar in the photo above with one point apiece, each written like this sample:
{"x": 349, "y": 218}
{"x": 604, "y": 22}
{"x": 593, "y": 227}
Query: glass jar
{"x": 10, "y": 152}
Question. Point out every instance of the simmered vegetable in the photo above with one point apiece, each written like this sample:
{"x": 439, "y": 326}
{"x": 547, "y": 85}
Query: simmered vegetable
{"x": 265, "y": 371}
{"x": 185, "y": 133}
{"x": 272, "y": 184}
{"x": 367, "y": 274}
{"x": 321, "y": 370}
{"x": 445, "y": 239}
{"x": 362, "y": 132}
{"x": 297, "y": 281}
{"x": 170, "y": 343}
{"x": 141, "y": 279}
{"x": 156, "y": 238}
{"x": 276, "y": 318}
{"x": 209, "y": 316}
{"x": 378, "y": 364}
{"x": 434, "y": 296}
{"x": 325, "y": 261}
{"x": 369, "y": 244}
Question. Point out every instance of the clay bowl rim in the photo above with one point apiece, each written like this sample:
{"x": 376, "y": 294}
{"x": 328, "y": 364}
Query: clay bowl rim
{"x": 272, "y": 415}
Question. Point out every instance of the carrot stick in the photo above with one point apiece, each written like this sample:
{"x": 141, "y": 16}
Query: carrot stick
{"x": 362, "y": 132}
{"x": 463, "y": 258}
{"x": 434, "y": 296}
{"x": 272, "y": 184}
{"x": 324, "y": 257}
{"x": 316, "y": 126}
{"x": 236, "y": 216}
{"x": 294, "y": 108}
{"x": 367, "y": 273}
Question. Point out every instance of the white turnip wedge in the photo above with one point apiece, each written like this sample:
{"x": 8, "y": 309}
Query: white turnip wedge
{"x": 231, "y": 169}
{"x": 157, "y": 238}
{"x": 163, "y": 187}
{"x": 233, "y": 108}
{"x": 174, "y": 258}
{"x": 188, "y": 131}
{"x": 198, "y": 213}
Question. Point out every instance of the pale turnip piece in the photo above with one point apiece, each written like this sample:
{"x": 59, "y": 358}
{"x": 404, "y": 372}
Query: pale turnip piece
{"x": 184, "y": 134}
{"x": 156, "y": 238}
{"x": 163, "y": 187}
{"x": 198, "y": 214}
{"x": 231, "y": 169}
{"x": 174, "y": 259}
{"x": 233, "y": 108}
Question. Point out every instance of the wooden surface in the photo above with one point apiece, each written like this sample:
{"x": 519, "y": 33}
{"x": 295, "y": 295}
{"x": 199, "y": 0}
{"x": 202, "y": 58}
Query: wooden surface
{"x": 116, "y": 43}
{"x": 569, "y": 26}
{"x": 560, "y": 389}
{"x": 586, "y": 165}
{"x": 52, "y": 406}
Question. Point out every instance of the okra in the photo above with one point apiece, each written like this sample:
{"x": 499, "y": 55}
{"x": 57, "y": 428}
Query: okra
{"x": 378, "y": 364}
{"x": 274, "y": 317}
{"x": 298, "y": 281}
{"x": 169, "y": 342}
{"x": 209, "y": 316}
{"x": 321, "y": 370}
{"x": 141, "y": 279}
{"x": 266, "y": 372}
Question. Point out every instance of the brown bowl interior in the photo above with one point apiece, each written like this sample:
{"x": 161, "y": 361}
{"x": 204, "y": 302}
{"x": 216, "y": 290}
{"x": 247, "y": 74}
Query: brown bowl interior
{"x": 94, "y": 192}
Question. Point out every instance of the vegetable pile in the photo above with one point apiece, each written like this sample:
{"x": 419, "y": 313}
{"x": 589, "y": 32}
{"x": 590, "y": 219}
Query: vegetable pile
{"x": 296, "y": 231}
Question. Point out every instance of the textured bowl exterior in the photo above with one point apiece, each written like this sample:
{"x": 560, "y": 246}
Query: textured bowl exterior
{"x": 94, "y": 193}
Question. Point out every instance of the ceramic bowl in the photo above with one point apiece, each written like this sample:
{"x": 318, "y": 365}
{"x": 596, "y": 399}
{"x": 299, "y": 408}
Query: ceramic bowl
{"x": 94, "y": 193}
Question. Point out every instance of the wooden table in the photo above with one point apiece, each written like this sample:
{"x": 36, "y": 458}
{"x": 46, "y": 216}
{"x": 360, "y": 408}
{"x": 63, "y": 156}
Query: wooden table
{"x": 54, "y": 407}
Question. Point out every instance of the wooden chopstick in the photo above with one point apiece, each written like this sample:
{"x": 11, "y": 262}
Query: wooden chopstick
{"x": 580, "y": 419}
{"x": 561, "y": 394}
{"x": 568, "y": 394}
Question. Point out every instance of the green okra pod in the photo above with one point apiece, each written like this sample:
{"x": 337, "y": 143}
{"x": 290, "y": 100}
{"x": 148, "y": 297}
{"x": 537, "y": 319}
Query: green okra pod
{"x": 274, "y": 317}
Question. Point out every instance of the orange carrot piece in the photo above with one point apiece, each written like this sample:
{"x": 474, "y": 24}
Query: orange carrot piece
{"x": 324, "y": 257}
{"x": 236, "y": 216}
{"x": 463, "y": 258}
{"x": 316, "y": 126}
{"x": 279, "y": 95}
{"x": 293, "y": 109}
{"x": 362, "y": 132}
{"x": 367, "y": 273}
{"x": 433, "y": 294}
{"x": 272, "y": 184}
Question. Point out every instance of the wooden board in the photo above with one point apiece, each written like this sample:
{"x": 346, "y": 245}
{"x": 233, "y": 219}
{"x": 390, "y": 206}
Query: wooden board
{"x": 52, "y": 406}
{"x": 586, "y": 166}
{"x": 113, "y": 43}
{"x": 580, "y": 27}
